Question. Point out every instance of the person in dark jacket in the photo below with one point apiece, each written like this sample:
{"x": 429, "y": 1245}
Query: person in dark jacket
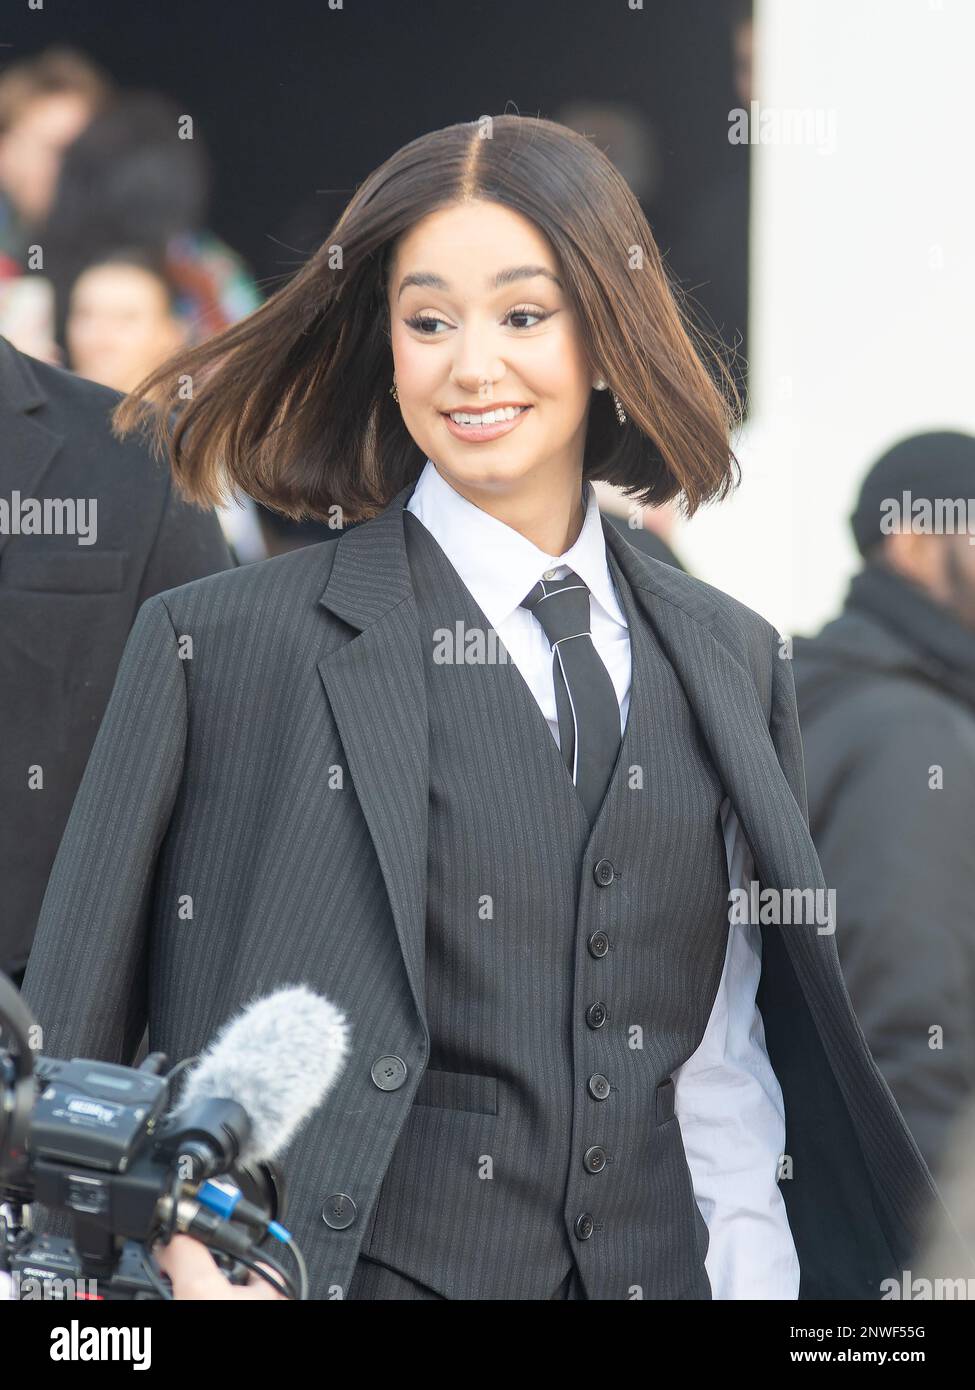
{"x": 67, "y": 602}
{"x": 886, "y": 697}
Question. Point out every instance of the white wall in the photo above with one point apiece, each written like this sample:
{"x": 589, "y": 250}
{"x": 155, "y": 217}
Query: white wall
{"x": 862, "y": 285}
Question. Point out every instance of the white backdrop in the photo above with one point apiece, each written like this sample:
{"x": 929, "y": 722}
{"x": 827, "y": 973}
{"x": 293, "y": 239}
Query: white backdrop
{"x": 862, "y": 284}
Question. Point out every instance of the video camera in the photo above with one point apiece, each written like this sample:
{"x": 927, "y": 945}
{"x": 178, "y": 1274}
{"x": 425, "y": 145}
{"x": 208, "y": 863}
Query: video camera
{"x": 101, "y": 1145}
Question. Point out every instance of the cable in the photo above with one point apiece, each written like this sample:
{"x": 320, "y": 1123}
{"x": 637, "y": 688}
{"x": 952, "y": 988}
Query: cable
{"x": 180, "y": 1066}
{"x": 302, "y": 1270}
{"x": 154, "y": 1278}
{"x": 287, "y": 1288}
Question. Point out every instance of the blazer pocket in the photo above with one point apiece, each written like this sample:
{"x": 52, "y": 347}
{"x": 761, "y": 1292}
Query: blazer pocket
{"x": 664, "y": 1108}
{"x": 65, "y": 571}
{"x": 454, "y": 1090}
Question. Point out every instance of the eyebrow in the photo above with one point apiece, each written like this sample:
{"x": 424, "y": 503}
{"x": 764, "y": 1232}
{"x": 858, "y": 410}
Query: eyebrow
{"x": 430, "y": 281}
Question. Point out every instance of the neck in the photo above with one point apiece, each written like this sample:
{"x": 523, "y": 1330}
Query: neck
{"x": 550, "y": 520}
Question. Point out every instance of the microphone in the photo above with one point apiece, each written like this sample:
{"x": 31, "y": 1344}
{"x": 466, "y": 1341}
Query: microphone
{"x": 276, "y": 1059}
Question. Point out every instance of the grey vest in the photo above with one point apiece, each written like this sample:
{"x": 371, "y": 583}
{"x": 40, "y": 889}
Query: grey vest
{"x": 570, "y": 969}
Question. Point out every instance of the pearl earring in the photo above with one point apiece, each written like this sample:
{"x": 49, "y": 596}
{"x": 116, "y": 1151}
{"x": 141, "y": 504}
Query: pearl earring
{"x": 601, "y": 385}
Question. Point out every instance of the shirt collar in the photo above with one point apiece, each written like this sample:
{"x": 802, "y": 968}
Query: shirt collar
{"x": 497, "y": 563}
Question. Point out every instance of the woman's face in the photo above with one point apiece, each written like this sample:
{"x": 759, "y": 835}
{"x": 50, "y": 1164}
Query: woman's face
{"x": 463, "y": 342}
{"x": 120, "y": 326}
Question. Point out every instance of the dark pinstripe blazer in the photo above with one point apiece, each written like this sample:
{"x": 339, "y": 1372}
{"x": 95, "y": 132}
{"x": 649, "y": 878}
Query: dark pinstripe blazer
{"x": 255, "y": 814}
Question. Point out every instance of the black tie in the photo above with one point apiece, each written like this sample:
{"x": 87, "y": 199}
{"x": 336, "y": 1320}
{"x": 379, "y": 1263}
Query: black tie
{"x": 588, "y": 710}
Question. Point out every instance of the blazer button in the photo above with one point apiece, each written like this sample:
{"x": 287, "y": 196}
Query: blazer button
{"x": 339, "y": 1211}
{"x": 604, "y": 872}
{"x": 598, "y": 944}
{"x": 584, "y": 1226}
{"x": 594, "y": 1159}
{"x": 599, "y": 1087}
{"x": 389, "y": 1073}
{"x": 596, "y": 1015}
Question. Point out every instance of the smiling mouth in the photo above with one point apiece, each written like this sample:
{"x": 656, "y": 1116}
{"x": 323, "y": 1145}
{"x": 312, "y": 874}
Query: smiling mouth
{"x": 486, "y": 417}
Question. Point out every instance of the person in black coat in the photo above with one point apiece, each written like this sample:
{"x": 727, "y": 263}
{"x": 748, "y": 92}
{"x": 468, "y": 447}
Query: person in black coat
{"x": 68, "y": 600}
{"x": 886, "y": 698}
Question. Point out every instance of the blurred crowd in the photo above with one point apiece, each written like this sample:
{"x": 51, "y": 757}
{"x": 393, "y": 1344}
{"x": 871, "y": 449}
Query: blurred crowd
{"x": 106, "y": 263}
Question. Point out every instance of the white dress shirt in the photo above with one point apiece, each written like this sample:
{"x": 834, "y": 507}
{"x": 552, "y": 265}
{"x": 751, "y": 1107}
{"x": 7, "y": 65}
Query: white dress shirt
{"x": 727, "y": 1098}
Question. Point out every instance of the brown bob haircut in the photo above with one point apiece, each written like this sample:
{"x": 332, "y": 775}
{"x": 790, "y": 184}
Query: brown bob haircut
{"x": 292, "y": 405}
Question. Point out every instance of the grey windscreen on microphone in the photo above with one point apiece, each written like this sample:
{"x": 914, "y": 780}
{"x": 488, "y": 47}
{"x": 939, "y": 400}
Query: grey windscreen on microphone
{"x": 277, "y": 1058}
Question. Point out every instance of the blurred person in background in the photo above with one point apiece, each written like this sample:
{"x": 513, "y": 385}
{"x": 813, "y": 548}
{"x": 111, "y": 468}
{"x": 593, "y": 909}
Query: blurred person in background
{"x": 886, "y": 697}
{"x": 132, "y": 182}
{"x": 66, "y": 607}
{"x": 123, "y": 320}
{"x": 45, "y": 103}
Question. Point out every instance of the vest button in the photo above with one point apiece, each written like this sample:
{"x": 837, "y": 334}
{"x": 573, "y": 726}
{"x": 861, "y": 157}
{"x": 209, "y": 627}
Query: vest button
{"x": 594, "y": 1159}
{"x": 339, "y": 1211}
{"x": 604, "y": 872}
{"x": 596, "y": 1015}
{"x": 598, "y": 944}
{"x": 389, "y": 1073}
{"x": 584, "y": 1226}
{"x": 599, "y": 1087}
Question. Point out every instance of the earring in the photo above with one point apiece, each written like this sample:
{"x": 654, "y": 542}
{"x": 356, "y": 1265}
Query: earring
{"x": 393, "y": 391}
{"x": 601, "y": 385}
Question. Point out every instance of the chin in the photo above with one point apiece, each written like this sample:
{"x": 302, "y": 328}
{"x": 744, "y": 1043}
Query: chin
{"x": 494, "y": 475}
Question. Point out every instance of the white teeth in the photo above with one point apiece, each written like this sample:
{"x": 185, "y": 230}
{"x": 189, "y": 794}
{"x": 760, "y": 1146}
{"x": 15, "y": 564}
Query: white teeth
{"x": 489, "y": 417}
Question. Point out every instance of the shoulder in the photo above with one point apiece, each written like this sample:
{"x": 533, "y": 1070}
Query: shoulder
{"x": 68, "y": 397}
{"x": 272, "y": 593}
{"x": 79, "y": 412}
{"x": 896, "y": 719}
{"x": 864, "y": 683}
{"x": 749, "y": 637}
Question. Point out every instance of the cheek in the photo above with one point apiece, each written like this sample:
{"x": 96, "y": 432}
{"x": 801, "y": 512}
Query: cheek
{"x": 555, "y": 366}
{"x": 418, "y": 367}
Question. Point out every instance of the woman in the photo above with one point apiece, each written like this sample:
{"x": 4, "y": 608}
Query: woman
{"x": 123, "y": 319}
{"x": 484, "y": 776}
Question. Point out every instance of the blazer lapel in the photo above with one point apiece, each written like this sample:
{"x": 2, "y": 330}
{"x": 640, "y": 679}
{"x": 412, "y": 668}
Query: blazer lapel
{"x": 377, "y": 689}
{"x": 723, "y": 696}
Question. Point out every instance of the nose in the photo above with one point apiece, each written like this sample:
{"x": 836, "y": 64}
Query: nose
{"x": 476, "y": 366}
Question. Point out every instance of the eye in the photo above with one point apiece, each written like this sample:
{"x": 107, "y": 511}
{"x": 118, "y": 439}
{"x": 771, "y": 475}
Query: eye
{"x": 419, "y": 320}
{"x": 426, "y": 324}
{"x": 526, "y": 311}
